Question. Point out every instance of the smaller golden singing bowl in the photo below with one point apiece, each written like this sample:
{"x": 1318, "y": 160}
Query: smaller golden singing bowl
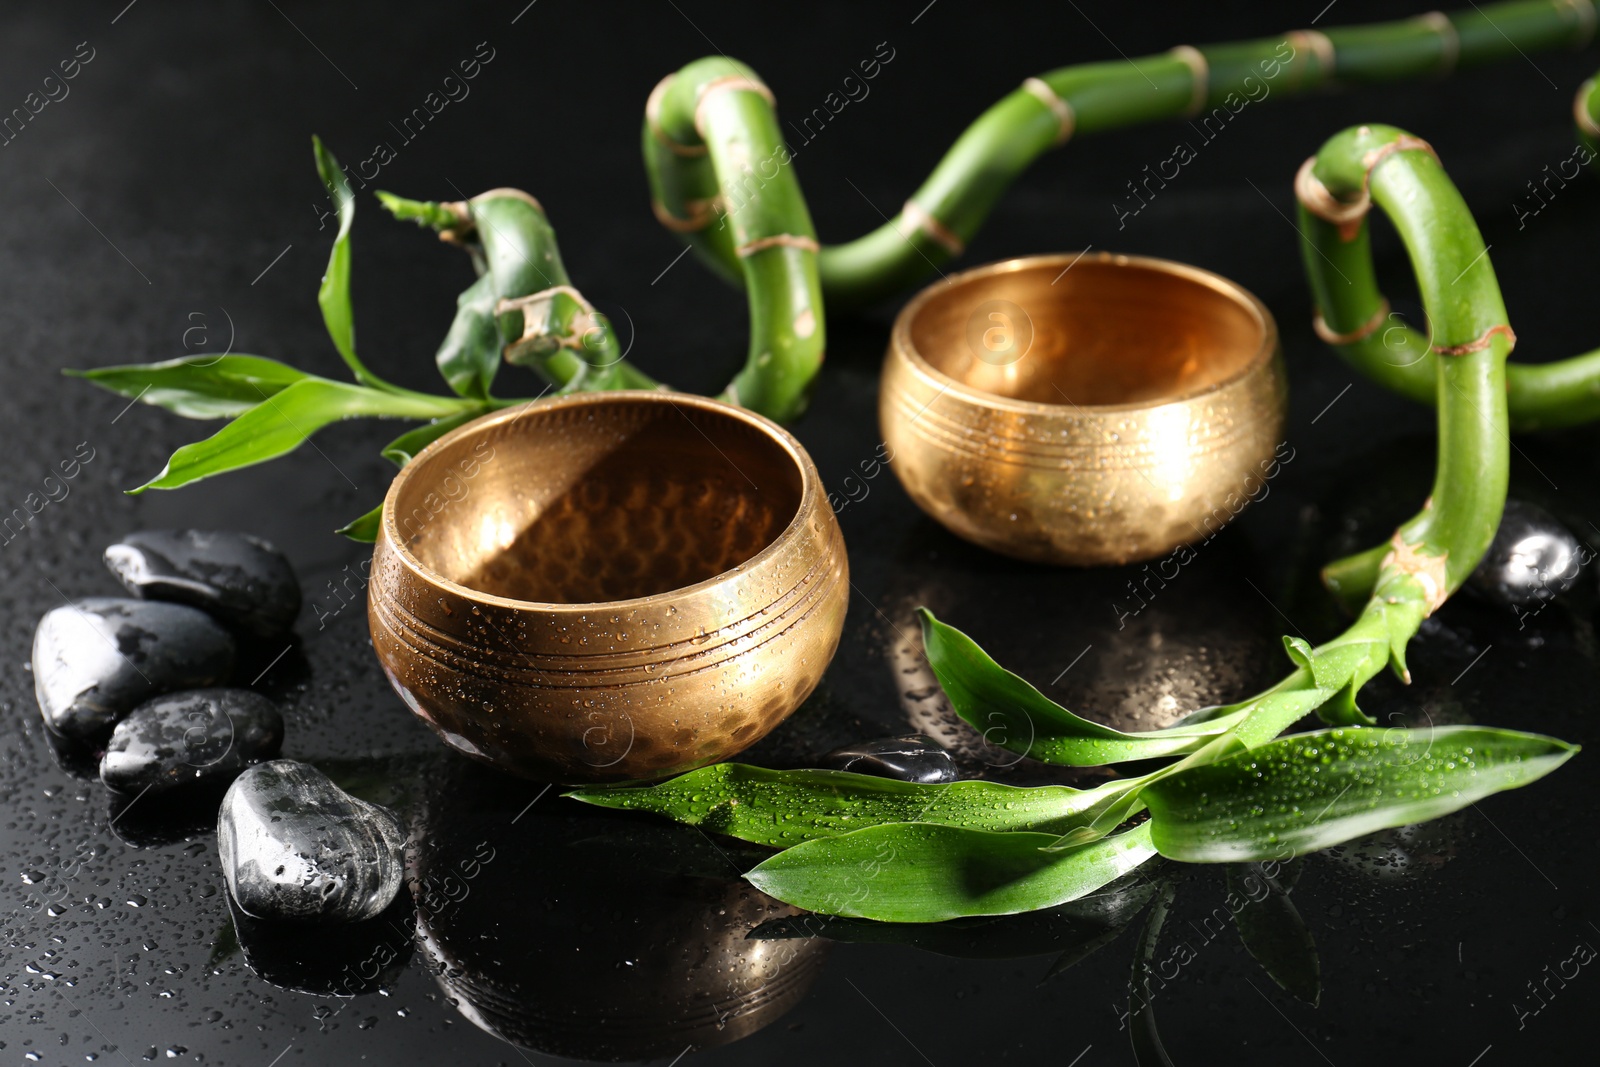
{"x": 1083, "y": 409}
{"x": 607, "y": 586}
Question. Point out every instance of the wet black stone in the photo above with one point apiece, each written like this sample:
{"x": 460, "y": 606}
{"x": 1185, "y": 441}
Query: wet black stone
{"x": 1533, "y": 559}
{"x": 190, "y": 737}
{"x": 240, "y": 579}
{"x": 293, "y": 845}
{"x": 96, "y": 660}
{"x": 911, "y": 758}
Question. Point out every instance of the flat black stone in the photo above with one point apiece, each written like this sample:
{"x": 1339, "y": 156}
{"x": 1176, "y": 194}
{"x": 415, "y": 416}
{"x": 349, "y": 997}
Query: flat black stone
{"x": 910, "y": 758}
{"x": 190, "y": 737}
{"x": 99, "y": 658}
{"x": 293, "y": 845}
{"x": 242, "y": 580}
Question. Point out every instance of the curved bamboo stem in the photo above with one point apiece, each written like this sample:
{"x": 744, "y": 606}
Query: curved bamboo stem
{"x": 1469, "y": 343}
{"x": 714, "y": 119}
{"x": 1353, "y": 317}
{"x": 1208, "y": 85}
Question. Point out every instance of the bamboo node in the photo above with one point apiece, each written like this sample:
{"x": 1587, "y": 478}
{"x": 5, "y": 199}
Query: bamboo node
{"x": 920, "y": 219}
{"x": 1317, "y": 43}
{"x": 728, "y": 83}
{"x": 1066, "y": 119}
{"x": 1404, "y": 143}
{"x": 1481, "y": 343}
{"x": 778, "y": 240}
{"x": 652, "y": 119}
{"x": 701, "y": 212}
{"x": 1449, "y": 40}
{"x": 1580, "y": 110}
{"x": 507, "y": 193}
{"x": 1345, "y": 214}
{"x": 1428, "y": 571}
{"x": 1587, "y": 17}
{"x": 1360, "y": 333}
{"x": 1199, "y": 75}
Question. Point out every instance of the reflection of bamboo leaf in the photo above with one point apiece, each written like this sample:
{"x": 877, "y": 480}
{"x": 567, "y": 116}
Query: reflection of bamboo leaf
{"x": 1147, "y": 1048}
{"x": 1274, "y": 933}
{"x": 1072, "y": 929}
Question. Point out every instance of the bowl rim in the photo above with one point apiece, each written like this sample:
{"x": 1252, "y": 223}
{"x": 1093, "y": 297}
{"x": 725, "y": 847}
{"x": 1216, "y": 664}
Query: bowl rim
{"x": 810, "y": 490}
{"x": 900, "y": 342}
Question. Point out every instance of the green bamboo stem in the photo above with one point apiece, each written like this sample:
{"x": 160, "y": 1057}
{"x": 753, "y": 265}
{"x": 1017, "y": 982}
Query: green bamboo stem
{"x": 1465, "y": 309}
{"x": 1586, "y": 115}
{"x": 714, "y": 118}
{"x": 1208, "y": 85}
{"x": 1354, "y": 318}
{"x": 514, "y": 251}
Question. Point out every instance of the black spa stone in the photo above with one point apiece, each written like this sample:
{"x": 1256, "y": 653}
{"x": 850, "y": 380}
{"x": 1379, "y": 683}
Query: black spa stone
{"x": 197, "y": 736}
{"x": 97, "y": 659}
{"x": 242, "y": 580}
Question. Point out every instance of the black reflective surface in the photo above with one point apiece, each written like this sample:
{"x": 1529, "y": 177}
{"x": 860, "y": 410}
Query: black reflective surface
{"x": 167, "y": 204}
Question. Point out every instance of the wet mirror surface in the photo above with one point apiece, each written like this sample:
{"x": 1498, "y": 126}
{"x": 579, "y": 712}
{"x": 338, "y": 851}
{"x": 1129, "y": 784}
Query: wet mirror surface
{"x": 167, "y": 206}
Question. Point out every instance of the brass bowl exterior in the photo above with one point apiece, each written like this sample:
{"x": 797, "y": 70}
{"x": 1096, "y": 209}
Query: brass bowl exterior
{"x": 1181, "y": 404}
{"x": 709, "y": 521}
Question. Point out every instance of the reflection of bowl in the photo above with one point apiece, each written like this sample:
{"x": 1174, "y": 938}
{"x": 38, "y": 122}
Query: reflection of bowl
{"x": 608, "y": 586}
{"x": 1083, "y": 409}
{"x": 594, "y": 935}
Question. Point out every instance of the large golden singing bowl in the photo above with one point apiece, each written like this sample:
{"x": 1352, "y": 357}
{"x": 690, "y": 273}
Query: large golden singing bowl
{"x": 1084, "y": 409}
{"x": 607, "y": 586}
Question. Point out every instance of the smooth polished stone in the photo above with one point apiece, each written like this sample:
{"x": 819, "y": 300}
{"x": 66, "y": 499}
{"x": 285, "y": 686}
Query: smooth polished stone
{"x": 99, "y": 658}
{"x": 293, "y": 845}
{"x": 911, "y": 758}
{"x": 190, "y": 737}
{"x": 242, "y": 580}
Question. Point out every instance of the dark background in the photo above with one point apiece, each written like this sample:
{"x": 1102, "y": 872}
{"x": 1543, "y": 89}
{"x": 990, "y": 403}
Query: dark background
{"x": 153, "y": 199}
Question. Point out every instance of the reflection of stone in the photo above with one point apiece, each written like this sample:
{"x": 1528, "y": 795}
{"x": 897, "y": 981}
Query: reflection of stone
{"x": 199, "y": 735}
{"x": 328, "y": 961}
{"x": 95, "y": 660}
{"x": 585, "y": 933}
{"x": 240, "y": 579}
{"x": 295, "y": 846}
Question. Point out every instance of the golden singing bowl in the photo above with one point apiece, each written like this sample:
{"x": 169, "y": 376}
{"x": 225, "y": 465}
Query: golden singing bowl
{"x": 1083, "y": 409}
{"x": 607, "y": 586}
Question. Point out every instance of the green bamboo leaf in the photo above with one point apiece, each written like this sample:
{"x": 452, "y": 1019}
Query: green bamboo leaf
{"x": 404, "y": 448}
{"x": 1013, "y": 714}
{"x": 279, "y": 424}
{"x": 197, "y": 387}
{"x": 1274, "y": 933}
{"x": 333, "y": 297}
{"x": 365, "y": 529}
{"x": 1311, "y": 791}
{"x": 922, "y": 872}
{"x": 784, "y": 808}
